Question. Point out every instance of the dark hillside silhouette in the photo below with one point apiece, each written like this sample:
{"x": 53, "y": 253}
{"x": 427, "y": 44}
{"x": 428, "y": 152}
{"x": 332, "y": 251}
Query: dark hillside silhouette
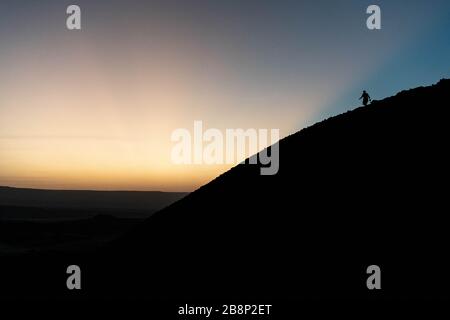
{"x": 365, "y": 187}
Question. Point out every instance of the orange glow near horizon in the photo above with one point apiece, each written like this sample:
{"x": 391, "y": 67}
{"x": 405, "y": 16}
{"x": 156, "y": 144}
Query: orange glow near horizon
{"x": 68, "y": 121}
{"x": 79, "y": 126}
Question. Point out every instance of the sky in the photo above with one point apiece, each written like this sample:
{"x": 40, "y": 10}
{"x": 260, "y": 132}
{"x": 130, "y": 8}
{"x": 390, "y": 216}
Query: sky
{"x": 95, "y": 108}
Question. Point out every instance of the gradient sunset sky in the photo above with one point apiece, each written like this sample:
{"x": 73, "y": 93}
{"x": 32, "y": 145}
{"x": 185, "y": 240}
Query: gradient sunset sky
{"x": 95, "y": 109}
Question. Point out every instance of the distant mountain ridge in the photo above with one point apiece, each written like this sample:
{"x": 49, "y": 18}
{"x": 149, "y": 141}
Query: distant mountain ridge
{"x": 23, "y": 202}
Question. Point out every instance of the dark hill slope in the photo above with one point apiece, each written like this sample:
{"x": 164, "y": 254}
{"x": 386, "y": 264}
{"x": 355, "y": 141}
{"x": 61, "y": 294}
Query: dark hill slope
{"x": 365, "y": 187}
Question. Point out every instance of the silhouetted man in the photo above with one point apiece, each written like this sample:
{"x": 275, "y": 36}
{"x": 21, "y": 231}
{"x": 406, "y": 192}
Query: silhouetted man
{"x": 366, "y": 98}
